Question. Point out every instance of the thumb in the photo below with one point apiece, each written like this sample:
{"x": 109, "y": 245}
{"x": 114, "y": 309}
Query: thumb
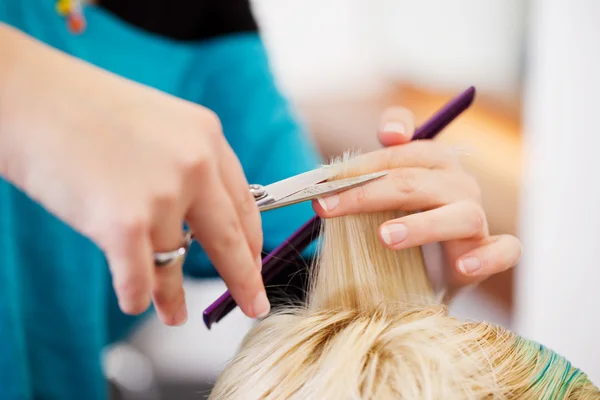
{"x": 397, "y": 126}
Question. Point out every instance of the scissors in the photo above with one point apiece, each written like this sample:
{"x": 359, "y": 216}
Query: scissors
{"x": 309, "y": 186}
{"x": 297, "y": 189}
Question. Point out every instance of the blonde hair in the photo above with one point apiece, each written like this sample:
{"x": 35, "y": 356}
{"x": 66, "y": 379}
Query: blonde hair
{"x": 372, "y": 328}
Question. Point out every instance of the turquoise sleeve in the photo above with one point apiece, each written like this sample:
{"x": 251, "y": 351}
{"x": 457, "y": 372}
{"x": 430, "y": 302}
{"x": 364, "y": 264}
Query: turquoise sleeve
{"x": 12, "y": 13}
{"x": 260, "y": 125}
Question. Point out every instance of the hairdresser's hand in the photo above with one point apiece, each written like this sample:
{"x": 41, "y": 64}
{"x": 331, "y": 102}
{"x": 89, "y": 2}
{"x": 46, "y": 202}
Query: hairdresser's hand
{"x": 126, "y": 165}
{"x": 427, "y": 176}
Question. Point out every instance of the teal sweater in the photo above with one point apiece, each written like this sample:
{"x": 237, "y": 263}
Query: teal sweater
{"x": 57, "y": 308}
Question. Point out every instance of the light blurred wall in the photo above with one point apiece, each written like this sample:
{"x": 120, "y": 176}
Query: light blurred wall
{"x": 321, "y": 47}
{"x": 353, "y": 47}
{"x": 453, "y": 43}
{"x": 558, "y": 299}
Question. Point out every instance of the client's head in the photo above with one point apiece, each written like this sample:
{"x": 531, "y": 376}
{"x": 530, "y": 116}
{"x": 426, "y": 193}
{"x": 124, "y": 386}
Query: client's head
{"x": 371, "y": 328}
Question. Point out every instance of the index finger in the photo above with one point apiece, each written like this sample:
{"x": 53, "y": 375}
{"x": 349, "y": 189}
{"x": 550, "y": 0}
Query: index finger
{"x": 238, "y": 189}
{"x": 217, "y": 227}
{"x": 417, "y": 154}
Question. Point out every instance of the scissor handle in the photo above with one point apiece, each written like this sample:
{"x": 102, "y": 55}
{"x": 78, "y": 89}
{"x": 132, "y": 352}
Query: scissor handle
{"x": 261, "y": 196}
{"x": 258, "y": 191}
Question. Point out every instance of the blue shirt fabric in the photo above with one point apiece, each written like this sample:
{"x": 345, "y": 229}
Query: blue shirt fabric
{"x": 57, "y": 307}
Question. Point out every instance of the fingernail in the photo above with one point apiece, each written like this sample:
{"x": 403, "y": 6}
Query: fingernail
{"x": 395, "y": 127}
{"x": 469, "y": 265}
{"x": 181, "y": 316}
{"x": 394, "y": 233}
{"x": 330, "y": 202}
{"x": 261, "y": 305}
{"x": 259, "y": 263}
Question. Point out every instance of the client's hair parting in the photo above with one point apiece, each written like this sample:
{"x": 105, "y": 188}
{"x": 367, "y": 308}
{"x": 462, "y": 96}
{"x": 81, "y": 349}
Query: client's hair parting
{"x": 372, "y": 328}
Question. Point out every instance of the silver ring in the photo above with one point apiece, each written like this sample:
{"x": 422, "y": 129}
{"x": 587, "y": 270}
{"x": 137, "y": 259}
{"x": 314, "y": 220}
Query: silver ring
{"x": 165, "y": 258}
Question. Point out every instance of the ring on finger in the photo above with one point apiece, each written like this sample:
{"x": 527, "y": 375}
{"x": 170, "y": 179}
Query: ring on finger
{"x": 166, "y": 258}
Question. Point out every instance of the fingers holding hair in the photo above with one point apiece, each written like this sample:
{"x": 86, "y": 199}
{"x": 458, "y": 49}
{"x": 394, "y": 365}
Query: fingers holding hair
{"x": 456, "y": 221}
{"x": 408, "y": 189}
{"x": 492, "y": 255}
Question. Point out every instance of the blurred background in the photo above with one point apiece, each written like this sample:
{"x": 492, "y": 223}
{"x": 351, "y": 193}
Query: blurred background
{"x": 529, "y": 139}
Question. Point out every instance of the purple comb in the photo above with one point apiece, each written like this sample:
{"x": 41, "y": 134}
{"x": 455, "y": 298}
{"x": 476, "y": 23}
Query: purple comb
{"x": 275, "y": 261}
{"x": 445, "y": 115}
{"x": 272, "y": 264}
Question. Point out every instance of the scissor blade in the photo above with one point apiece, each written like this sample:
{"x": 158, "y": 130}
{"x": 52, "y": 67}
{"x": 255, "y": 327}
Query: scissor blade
{"x": 289, "y": 186}
{"x": 323, "y": 189}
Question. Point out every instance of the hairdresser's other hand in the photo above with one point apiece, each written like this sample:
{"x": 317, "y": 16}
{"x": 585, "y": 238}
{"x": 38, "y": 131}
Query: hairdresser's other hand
{"x": 427, "y": 176}
{"x": 126, "y": 165}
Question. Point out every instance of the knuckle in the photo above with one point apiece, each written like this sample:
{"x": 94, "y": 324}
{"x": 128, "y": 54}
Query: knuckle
{"x": 118, "y": 230}
{"x": 361, "y": 197}
{"x": 165, "y": 297}
{"x": 230, "y": 238}
{"x": 210, "y": 121}
{"x": 405, "y": 181}
{"x": 99, "y": 225}
{"x": 469, "y": 186}
{"x": 476, "y": 219}
{"x": 518, "y": 255}
{"x": 450, "y": 158}
{"x": 100, "y": 230}
{"x": 515, "y": 254}
{"x": 132, "y": 294}
{"x": 132, "y": 225}
{"x": 116, "y": 223}
{"x": 197, "y": 153}
{"x": 423, "y": 225}
{"x": 389, "y": 157}
{"x": 494, "y": 262}
{"x": 129, "y": 288}
{"x": 166, "y": 196}
{"x": 447, "y": 155}
{"x": 195, "y": 160}
{"x": 505, "y": 262}
{"x": 474, "y": 188}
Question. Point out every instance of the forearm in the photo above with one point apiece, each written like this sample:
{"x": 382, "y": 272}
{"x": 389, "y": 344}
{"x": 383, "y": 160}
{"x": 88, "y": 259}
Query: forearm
{"x": 44, "y": 95}
{"x": 26, "y": 73}
{"x": 32, "y": 80}
{"x": 8, "y": 44}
